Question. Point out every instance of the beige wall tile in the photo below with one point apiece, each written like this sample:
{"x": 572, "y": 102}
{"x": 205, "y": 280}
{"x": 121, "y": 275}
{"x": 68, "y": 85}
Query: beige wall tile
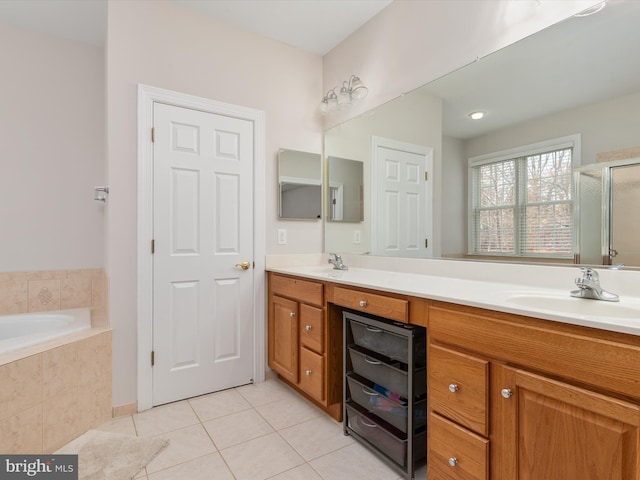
{"x": 100, "y": 317}
{"x": 13, "y": 277}
{"x": 44, "y": 295}
{"x": 46, "y": 274}
{"x": 94, "y": 405}
{"x": 94, "y": 360}
{"x": 99, "y": 289}
{"x": 20, "y": 386}
{"x": 22, "y": 433}
{"x": 59, "y": 369}
{"x": 61, "y": 422}
{"x": 14, "y": 296}
{"x": 75, "y": 289}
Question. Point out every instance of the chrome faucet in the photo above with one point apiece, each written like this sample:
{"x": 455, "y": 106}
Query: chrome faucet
{"x": 337, "y": 262}
{"x": 589, "y": 287}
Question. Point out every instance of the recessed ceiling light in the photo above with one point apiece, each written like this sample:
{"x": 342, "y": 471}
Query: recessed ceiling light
{"x": 477, "y": 115}
{"x": 592, "y": 10}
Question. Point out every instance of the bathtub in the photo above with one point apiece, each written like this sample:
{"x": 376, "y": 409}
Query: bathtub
{"x": 25, "y": 329}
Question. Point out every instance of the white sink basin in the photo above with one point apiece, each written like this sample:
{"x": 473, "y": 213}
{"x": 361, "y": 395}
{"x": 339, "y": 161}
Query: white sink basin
{"x": 579, "y": 306}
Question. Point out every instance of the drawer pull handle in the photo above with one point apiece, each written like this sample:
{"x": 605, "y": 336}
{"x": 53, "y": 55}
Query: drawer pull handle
{"x": 363, "y": 303}
{"x": 307, "y": 328}
{"x": 371, "y": 329}
{"x": 369, "y": 392}
{"x": 292, "y": 314}
{"x": 370, "y": 425}
{"x": 308, "y": 372}
{"x": 453, "y": 461}
{"x": 371, "y": 362}
{"x": 453, "y": 388}
{"x": 506, "y": 392}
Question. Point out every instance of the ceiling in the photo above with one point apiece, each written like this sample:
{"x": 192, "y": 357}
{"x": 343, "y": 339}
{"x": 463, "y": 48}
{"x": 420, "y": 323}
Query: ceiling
{"x": 315, "y": 26}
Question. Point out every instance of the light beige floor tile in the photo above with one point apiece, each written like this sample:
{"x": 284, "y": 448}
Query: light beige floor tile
{"x": 202, "y": 468}
{"x": 184, "y": 445}
{"x": 261, "y": 458}
{"x": 266, "y": 392}
{"x": 122, "y": 425}
{"x": 292, "y": 411}
{"x": 237, "y": 428}
{"x": 142, "y": 475}
{"x": 164, "y": 419}
{"x": 354, "y": 462}
{"x": 316, "y": 437}
{"x": 218, "y": 404}
{"x": 303, "y": 472}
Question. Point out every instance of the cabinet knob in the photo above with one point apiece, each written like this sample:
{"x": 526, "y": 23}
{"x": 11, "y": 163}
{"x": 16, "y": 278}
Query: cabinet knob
{"x": 307, "y": 327}
{"x": 506, "y": 392}
{"x": 453, "y": 388}
{"x": 308, "y": 372}
{"x": 363, "y": 303}
{"x": 453, "y": 461}
{"x": 292, "y": 314}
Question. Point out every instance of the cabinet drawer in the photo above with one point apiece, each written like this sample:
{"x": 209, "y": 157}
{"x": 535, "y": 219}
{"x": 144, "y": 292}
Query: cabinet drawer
{"x": 380, "y": 305}
{"x": 303, "y": 290}
{"x": 312, "y": 328}
{"x": 312, "y": 373}
{"x": 458, "y": 387}
{"x": 455, "y": 453}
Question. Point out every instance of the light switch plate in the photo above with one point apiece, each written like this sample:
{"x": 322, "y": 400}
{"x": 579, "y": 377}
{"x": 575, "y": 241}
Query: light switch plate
{"x": 282, "y": 236}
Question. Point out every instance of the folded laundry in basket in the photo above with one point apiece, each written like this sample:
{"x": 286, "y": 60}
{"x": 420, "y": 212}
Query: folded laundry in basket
{"x": 386, "y": 405}
{"x": 390, "y": 395}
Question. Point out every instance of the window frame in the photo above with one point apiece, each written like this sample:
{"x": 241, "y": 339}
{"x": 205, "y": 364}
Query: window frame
{"x": 513, "y": 154}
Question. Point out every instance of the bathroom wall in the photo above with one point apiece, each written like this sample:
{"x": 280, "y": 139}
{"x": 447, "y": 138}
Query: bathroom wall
{"x": 164, "y": 45}
{"x": 52, "y": 149}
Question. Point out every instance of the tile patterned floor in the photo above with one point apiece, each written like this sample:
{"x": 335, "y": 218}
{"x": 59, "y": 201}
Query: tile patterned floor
{"x": 254, "y": 432}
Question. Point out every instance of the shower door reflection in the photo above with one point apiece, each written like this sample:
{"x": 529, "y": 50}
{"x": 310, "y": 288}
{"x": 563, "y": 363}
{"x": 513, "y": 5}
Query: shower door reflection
{"x": 624, "y": 229}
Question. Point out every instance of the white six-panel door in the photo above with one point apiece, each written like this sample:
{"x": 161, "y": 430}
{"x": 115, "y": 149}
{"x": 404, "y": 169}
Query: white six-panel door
{"x": 402, "y": 209}
{"x": 203, "y": 231}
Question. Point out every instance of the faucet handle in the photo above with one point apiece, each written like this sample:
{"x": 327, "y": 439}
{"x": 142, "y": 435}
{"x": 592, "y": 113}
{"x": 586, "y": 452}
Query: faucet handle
{"x": 589, "y": 273}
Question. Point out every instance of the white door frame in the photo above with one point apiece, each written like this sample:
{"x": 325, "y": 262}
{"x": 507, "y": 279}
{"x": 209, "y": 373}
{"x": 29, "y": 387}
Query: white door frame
{"x": 147, "y": 96}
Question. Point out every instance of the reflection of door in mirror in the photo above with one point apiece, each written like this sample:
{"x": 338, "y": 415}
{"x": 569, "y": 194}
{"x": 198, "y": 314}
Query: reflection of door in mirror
{"x": 345, "y": 190}
{"x": 402, "y": 203}
{"x": 300, "y": 185}
{"x": 624, "y": 236}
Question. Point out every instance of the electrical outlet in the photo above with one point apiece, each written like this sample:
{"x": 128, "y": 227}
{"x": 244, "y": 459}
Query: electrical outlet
{"x": 357, "y": 236}
{"x": 282, "y": 236}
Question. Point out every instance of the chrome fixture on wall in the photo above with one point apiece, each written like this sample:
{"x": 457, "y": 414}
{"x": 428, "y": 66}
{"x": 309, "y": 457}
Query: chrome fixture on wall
{"x": 100, "y": 193}
{"x": 351, "y": 90}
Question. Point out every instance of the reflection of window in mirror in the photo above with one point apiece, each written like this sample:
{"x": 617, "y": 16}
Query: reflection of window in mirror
{"x": 300, "y": 185}
{"x": 522, "y": 200}
{"x": 345, "y": 190}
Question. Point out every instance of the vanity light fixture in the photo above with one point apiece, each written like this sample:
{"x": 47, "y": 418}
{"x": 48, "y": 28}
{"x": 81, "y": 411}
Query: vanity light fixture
{"x": 477, "y": 115}
{"x": 351, "y": 90}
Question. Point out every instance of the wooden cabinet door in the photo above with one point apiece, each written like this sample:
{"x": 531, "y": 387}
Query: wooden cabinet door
{"x": 283, "y": 338}
{"x": 546, "y": 429}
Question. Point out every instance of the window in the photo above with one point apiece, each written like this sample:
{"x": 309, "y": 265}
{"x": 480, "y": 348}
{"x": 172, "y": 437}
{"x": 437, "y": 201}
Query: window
{"x": 521, "y": 200}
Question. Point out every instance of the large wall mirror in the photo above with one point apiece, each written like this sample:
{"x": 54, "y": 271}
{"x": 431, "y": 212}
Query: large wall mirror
{"x": 299, "y": 185}
{"x": 577, "y": 79}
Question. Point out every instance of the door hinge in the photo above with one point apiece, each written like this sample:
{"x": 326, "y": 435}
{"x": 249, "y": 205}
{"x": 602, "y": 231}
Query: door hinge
{"x": 426, "y": 243}
{"x": 153, "y": 246}
{"x": 153, "y": 134}
{"x": 426, "y": 176}
{"x": 153, "y": 358}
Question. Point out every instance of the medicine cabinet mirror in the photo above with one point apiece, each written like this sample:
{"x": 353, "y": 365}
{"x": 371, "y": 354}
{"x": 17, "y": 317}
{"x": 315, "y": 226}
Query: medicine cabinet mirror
{"x": 300, "y": 185}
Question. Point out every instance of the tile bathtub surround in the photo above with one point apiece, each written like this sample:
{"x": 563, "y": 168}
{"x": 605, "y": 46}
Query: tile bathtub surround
{"x": 49, "y": 398}
{"x": 254, "y": 432}
{"x": 50, "y": 290}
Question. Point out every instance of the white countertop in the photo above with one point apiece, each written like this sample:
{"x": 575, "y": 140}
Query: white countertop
{"x": 546, "y": 303}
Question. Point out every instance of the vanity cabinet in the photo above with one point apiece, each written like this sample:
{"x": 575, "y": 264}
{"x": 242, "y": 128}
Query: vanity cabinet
{"x": 516, "y": 398}
{"x": 301, "y": 347}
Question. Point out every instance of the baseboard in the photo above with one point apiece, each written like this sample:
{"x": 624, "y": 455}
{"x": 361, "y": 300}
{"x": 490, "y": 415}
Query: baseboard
{"x": 127, "y": 409}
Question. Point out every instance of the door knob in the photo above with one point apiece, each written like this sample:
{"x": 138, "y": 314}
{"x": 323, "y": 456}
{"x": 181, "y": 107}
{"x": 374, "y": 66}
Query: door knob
{"x": 244, "y": 265}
